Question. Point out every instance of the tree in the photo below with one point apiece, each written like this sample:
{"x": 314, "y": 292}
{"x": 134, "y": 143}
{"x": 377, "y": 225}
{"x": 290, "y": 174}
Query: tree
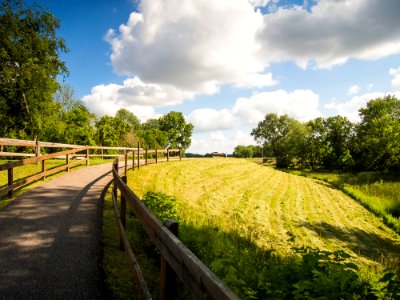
{"x": 316, "y": 142}
{"x": 178, "y": 131}
{"x": 243, "y": 151}
{"x": 29, "y": 65}
{"x": 111, "y": 131}
{"x": 281, "y": 137}
{"x": 379, "y": 134}
{"x": 153, "y": 138}
{"x": 129, "y": 118}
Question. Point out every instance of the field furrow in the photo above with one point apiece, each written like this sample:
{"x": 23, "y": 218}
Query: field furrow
{"x": 271, "y": 209}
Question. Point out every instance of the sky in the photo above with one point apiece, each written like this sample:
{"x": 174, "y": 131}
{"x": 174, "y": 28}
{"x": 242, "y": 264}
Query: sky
{"x": 225, "y": 64}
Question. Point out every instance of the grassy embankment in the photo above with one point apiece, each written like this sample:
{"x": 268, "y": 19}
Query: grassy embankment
{"x": 379, "y": 192}
{"x": 244, "y": 220}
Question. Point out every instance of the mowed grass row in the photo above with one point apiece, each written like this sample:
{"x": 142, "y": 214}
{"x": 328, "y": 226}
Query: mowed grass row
{"x": 272, "y": 209}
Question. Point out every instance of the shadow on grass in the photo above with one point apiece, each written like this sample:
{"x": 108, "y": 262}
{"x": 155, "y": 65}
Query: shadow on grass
{"x": 366, "y": 244}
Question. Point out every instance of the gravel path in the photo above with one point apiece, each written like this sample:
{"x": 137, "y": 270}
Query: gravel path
{"x": 50, "y": 239}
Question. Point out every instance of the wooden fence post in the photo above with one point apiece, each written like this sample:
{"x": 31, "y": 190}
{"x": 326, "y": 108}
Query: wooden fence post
{"x": 10, "y": 180}
{"x": 133, "y": 160}
{"x": 115, "y": 188}
{"x": 138, "y": 155}
{"x": 67, "y": 161}
{"x": 37, "y": 148}
{"x": 156, "y": 156}
{"x": 145, "y": 159}
{"x": 180, "y": 154}
{"x": 126, "y": 162}
{"x": 87, "y": 157}
{"x": 43, "y": 168}
{"x": 167, "y": 275}
{"x": 123, "y": 214}
{"x": 167, "y": 154}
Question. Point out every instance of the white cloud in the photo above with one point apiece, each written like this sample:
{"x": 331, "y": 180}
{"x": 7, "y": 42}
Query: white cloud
{"x": 350, "y": 108}
{"x": 259, "y": 3}
{"x": 219, "y": 142}
{"x": 134, "y": 95}
{"x": 299, "y": 104}
{"x": 353, "y": 90}
{"x": 191, "y": 45}
{"x": 207, "y": 119}
{"x": 332, "y": 32}
{"x": 396, "y": 80}
{"x": 255, "y": 80}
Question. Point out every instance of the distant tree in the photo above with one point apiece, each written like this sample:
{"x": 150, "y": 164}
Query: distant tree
{"x": 129, "y": 118}
{"x": 29, "y": 66}
{"x": 111, "y": 131}
{"x": 243, "y": 151}
{"x": 280, "y": 136}
{"x": 316, "y": 145}
{"x": 153, "y": 139}
{"x": 151, "y": 124}
{"x": 178, "y": 131}
{"x": 378, "y": 134}
{"x": 339, "y": 133}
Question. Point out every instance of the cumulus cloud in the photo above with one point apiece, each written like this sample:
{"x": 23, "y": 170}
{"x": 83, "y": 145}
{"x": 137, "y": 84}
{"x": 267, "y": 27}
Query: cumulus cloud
{"x": 207, "y": 119}
{"x": 219, "y": 142}
{"x": 349, "y": 109}
{"x": 396, "y": 80}
{"x": 189, "y": 44}
{"x": 299, "y": 104}
{"x": 134, "y": 95}
{"x": 354, "y": 89}
{"x": 332, "y": 32}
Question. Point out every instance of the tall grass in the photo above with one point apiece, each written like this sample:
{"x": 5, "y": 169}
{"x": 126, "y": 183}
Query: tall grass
{"x": 379, "y": 192}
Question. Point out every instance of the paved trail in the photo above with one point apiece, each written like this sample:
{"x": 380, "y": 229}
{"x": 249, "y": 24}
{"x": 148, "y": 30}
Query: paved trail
{"x": 50, "y": 239}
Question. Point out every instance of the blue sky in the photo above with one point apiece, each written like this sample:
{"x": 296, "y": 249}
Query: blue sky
{"x": 225, "y": 64}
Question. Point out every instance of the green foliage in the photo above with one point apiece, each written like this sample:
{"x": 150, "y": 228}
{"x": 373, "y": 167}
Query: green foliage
{"x": 179, "y": 132}
{"x": 327, "y": 275}
{"x": 379, "y": 133}
{"x": 161, "y": 205}
{"x": 29, "y": 65}
{"x": 336, "y": 143}
{"x": 282, "y": 137}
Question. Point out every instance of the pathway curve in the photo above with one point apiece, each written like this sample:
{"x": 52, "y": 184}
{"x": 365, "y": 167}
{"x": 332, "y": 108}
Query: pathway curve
{"x": 50, "y": 239}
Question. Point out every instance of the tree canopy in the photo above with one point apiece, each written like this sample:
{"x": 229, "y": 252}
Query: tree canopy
{"x": 29, "y": 65}
{"x": 335, "y": 142}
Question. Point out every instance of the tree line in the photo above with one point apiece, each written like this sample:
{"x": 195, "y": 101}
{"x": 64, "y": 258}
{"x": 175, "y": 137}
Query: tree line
{"x": 335, "y": 142}
{"x": 33, "y": 104}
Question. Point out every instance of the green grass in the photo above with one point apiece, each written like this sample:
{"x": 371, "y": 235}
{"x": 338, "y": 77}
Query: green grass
{"x": 244, "y": 220}
{"x": 378, "y": 192}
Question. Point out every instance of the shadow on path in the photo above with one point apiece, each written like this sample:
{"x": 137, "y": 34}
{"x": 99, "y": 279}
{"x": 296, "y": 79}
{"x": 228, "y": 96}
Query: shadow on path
{"x": 50, "y": 246}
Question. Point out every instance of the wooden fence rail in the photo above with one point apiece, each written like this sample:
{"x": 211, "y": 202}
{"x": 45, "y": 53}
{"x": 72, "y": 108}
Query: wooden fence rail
{"x": 201, "y": 281}
{"x": 83, "y": 152}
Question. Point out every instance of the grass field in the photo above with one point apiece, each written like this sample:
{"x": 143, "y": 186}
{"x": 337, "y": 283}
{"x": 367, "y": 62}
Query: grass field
{"x": 377, "y": 191}
{"x": 243, "y": 214}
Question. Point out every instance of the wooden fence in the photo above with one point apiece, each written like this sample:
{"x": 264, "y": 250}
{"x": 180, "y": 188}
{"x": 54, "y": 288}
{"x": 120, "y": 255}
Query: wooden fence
{"x": 81, "y": 153}
{"x": 176, "y": 258}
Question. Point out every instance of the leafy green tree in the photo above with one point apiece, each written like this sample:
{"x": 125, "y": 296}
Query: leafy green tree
{"x": 378, "y": 134}
{"x": 29, "y": 65}
{"x": 243, "y": 151}
{"x": 111, "y": 131}
{"x": 129, "y": 118}
{"x": 179, "y": 132}
{"x": 281, "y": 137}
{"x": 338, "y": 138}
{"x": 153, "y": 138}
{"x": 315, "y": 142}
